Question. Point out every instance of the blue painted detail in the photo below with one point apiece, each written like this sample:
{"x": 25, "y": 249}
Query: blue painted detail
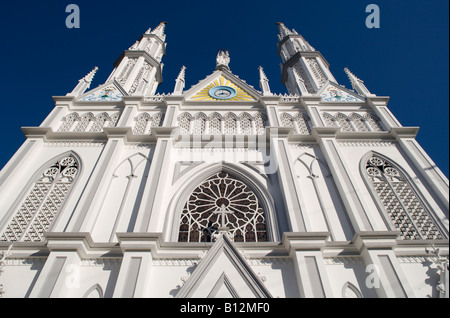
{"x": 222, "y": 92}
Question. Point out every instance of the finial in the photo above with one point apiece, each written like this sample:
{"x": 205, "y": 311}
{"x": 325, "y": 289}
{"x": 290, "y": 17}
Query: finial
{"x": 358, "y": 84}
{"x": 283, "y": 31}
{"x": 264, "y": 82}
{"x": 159, "y": 31}
{"x": 84, "y": 83}
{"x": 180, "y": 82}
{"x": 223, "y": 59}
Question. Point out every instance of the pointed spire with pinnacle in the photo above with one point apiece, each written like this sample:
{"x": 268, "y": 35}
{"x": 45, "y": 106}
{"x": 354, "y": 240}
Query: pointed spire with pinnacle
{"x": 283, "y": 31}
{"x": 264, "y": 82}
{"x": 357, "y": 84}
{"x": 180, "y": 82}
{"x": 159, "y": 31}
{"x": 84, "y": 83}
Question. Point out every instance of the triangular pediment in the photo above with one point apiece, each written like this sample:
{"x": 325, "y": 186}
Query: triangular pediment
{"x": 222, "y": 86}
{"x": 223, "y": 273}
{"x": 335, "y": 93}
{"x": 108, "y": 92}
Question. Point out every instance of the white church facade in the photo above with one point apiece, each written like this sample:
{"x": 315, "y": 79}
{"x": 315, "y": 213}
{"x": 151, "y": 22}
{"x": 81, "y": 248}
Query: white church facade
{"x": 222, "y": 190}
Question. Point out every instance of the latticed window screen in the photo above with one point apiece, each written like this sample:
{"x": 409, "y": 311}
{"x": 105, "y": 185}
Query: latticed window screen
{"x": 359, "y": 122}
{"x": 215, "y": 124}
{"x": 246, "y": 124}
{"x": 39, "y": 209}
{"x": 201, "y": 215}
{"x": 406, "y": 211}
{"x": 230, "y": 124}
{"x": 373, "y": 122}
{"x": 302, "y": 122}
{"x": 145, "y": 122}
{"x": 343, "y": 122}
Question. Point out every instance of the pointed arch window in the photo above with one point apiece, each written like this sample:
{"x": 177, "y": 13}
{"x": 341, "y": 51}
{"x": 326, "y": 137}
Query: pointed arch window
{"x": 245, "y": 124}
{"x": 36, "y": 214}
{"x": 199, "y": 124}
{"x": 99, "y": 122}
{"x": 259, "y": 124}
{"x": 84, "y": 122}
{"x": 215, "y": 124}
{"x": 184, "y": 121}
{"x": 68, "y": 122}
{"x": 145, "y": 122}
{"x": 405, "y": 209}
{"x": 302, "y": 124}
{"x": 344, "y": 122}
{"x": 230, "y": 124}
{"x": 201, "y": 215}
{"x": 286, "y": 120}
{"x": 359, "y": 122}
{"x": 373, "y": 122}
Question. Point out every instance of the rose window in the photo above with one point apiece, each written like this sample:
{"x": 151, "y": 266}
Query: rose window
{"x": 223, "y": 201}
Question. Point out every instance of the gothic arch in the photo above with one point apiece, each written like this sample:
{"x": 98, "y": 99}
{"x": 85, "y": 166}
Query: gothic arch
{"x": 202, "y": 173}
{"x": 286, "y": 120}
{"x": 199, "y": 124}
{"x": 245, "y": 124}
{"x": 215, "y": 124}
{"x": 319, "y": 177}
{"x": 116, "y": 211}
{"x": 38, "y": 209}
{"x": 84, "y": 122}
{"x": 400, "y": 202}
{"x": 351, "y": 291}
{"x": 99, "y": 122}
{"x": 374, "y": 122}
{"x": 184, "y": 123}
{"x": 95, "y": 291}
{"x": 68, "y": 122}
{"x": 330, "y": 121}
{"x": 359, "y": 122}
{"x": 230, "y": 126}
{"x": 302, "y": 123}
{"x": 343, "y": 122}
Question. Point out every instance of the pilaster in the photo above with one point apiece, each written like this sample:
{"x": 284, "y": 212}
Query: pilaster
{"x": 85, "y": 213}
{"x": 351, "y": 196}
{"x": 384, "y": 272}
{"x": 428, "y": 169}
{"x": 305, "y": 250}
{"x": 155, "y": 186}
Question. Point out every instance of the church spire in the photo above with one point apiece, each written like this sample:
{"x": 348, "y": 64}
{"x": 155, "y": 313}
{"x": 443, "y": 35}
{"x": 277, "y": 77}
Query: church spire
{"x": 264, "y": 82}
{"x": 159, "y": 31}
{"x": 283, "y": 31}
{"x": 304, "y": 69}
{"x": 139, "y": 69}
{"x": 84, "y": 83}
{"x": 180, "y": 82}
{"x": 357, "y": 84}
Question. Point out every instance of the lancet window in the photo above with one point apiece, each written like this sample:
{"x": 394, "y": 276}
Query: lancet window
{"x": 36, "y": 214}
{"x": 399, "y": 198}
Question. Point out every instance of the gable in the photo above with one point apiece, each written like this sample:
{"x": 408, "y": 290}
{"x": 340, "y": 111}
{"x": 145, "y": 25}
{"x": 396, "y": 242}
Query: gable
{"x": 221, "y": 89}
{"x": 335, "y": 93}
{"x": 109, "y": 92}
{"x": 223, "y": 273}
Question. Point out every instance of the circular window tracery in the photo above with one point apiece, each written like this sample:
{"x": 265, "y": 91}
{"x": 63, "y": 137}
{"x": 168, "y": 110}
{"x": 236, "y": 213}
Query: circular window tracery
{"x": 223, "y": 201}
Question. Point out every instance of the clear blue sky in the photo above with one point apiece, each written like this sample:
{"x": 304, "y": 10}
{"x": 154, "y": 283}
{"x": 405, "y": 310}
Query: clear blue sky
{"x": 406, "y": 59}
